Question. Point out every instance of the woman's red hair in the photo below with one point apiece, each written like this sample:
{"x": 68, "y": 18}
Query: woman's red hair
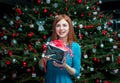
{"x": 71, "y": 34}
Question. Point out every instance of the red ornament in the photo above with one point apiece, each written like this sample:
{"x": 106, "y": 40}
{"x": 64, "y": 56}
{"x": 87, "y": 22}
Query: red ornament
{"x": 100, "y": 16}
{"x": 28, "y": 70}
{"x": 66, "y": 9}
{"x": 81, "y": 36}
{"x": 10, "y": 53}
{"x": 106, "y": 81}
{"x": 98, "y": 60}
{"x": 82, "y": 15}
{"x": 30, "y": 34}
{"x": 95, "y": 59}
{"x": 51, "y": 14}
{"x": 31, "y": 48}
{"x": 104, "y": 32}
{"x": 35, "y": 51}
{"x": 79, "y": 1}
{"x": 38, "y": 1}
{"x": 45, "y": 10}
{"x": 44, "y": 46}
{"x": 44, "y": 37}
{"x": 94, "y": 8}
{"x": 97, "y": 3}
{"x": 109, "y": 23}
{"x": 118, "y": 60}
{"x": 24, "y": 64}
{"x": 13, "y": 35}
{"x": 8, "y": 62}
{"x": 19, "y": 11}
{"x": 89, "y": 14}
{"x": 97, "y": 81}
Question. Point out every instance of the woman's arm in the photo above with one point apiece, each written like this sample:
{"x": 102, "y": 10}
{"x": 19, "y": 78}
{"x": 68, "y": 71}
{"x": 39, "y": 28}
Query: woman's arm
{"x": 70, "y": 70}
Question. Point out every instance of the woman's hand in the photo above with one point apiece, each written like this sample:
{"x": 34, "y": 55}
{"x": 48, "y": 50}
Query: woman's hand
{"x": 60, "y": 65}
{"x": 43, "y": 60}
{"x": 64, "y": 65}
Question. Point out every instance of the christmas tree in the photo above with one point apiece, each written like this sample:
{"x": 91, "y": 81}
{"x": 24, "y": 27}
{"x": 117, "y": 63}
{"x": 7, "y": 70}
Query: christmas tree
{"x": 24, "y": 32}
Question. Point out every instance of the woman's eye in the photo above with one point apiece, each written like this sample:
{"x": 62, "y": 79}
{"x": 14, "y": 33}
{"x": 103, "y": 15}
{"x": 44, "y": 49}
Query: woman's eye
{"x": 64, "y": 25}
{"x": 57, "y": 25}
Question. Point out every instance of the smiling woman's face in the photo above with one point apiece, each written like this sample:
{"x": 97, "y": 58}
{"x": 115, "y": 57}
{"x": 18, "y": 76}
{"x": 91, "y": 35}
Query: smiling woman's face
{"x": 62, "y": 29}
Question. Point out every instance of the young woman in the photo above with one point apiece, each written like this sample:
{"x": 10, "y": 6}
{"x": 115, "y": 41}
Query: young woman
{"x": 61, "y": 73}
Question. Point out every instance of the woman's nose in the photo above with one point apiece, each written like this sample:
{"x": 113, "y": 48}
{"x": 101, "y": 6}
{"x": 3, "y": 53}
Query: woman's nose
{"x": 61, "y": 27}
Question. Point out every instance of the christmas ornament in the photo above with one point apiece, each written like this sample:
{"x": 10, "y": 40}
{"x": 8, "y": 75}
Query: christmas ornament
{"x": 115, "y": 47}
{"x": 8, "y": 62}
{"x": 101, "y": 45}
{"x": 33, "y": 75}
{"x": 5, "y": 51}
{"x": 94, "y": 50}
{"x": 11, "y": 23}
{"x": 24, "y": 64}
{"x": 75, "y": 12}
{"x": 44, "y": 46}
{"x": 87, "y": 7}
{"x": 3, "y": 28}
{"x": 55, "y": 5}
{"x": 104, "y": 32}
{"x": 40, "y": 25}
{"x": 118, "y": 35}
{"x": 4, "y": 17}
{"x": 30, "y": 34}
{"x": 45, "y": 10}
{"x": 10, "y": 53}
{"x": 91, "y": 69}
{"x": 20, "y": 28}
{"x": 85, "y": 56}
{"x": 17, "y": 18}
{"x": 108, "y": 58}
{"x": 79, "y": 1}
{"x": 118, "y": 60}
{"x": 99, "y": 28}
{"x": 100, "y": 1}
{"x": 2, "y": 64}
{"x": 13, "y": 42}
{"x": 81, "y": 26}
{"x": 66, "y": 9}
{"x": 14, "y": 75}
{"x": 31, "y": 25}
{"x": 44, "y": 37}
{"x": 38, "y": 1}
{"x": 110, "y": 39}
{"x": 14, "y": 60}
{"x": 94, "y": 18}
{"x": 74, "y": 23}
{"x": 26, "y": 52}
{"x": 95, "y": 13}
{"x": 86, "y": 33}
{"x": 98, "y": 9}
{"x": 48, "y": 1}
{"x": 37, "y": 42}
{"x": 28, "y": 70}
{"x": 5, "y": 37}
{"x": 19, "y": 11}
{"x": 26, "y": 9}
{"x": 78, "y": 77}
{"x": 35, "y": 58}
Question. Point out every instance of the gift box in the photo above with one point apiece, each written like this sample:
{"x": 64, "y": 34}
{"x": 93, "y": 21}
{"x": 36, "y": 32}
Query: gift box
{"x": 56, "y": 50}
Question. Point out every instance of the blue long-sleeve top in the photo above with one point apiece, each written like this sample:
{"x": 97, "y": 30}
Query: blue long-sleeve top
{"x": 60, "y": 75}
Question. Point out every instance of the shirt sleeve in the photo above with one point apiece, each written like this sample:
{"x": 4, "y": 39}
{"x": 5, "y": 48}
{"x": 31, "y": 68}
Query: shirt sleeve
{"x": 76, "y": 60}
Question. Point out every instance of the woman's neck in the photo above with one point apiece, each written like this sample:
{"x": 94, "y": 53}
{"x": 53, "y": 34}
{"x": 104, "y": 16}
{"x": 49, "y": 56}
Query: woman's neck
{"x": 64, "y": 40}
